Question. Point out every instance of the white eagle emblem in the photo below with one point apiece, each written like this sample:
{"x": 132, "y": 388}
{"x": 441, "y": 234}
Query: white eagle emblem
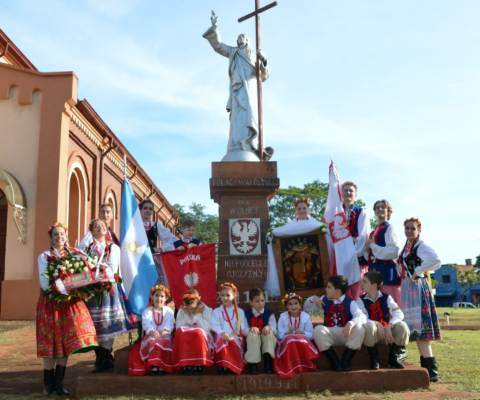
{"x": 245, "y": 231}
{"x": 191, "y": 279}
{"x": 338, "y": 228}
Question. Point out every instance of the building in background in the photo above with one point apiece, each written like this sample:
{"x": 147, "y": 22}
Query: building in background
{"x": 58, "y": 162}
{"x": 449, "y": 289}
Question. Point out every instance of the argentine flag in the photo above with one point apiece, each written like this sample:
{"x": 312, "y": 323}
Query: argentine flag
{"x": 138, "y": 269}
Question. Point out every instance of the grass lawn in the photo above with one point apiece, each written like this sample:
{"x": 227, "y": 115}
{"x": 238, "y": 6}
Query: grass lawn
{"x": 460, "y": 316}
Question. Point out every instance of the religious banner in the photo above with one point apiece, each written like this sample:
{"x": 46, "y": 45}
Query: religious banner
{"x": 244, "y": 236}
{"x": 192, "y": 269}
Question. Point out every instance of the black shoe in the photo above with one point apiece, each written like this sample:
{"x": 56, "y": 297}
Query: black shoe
{"x": 154, "y": 370}
{"x": 333, "y": 358}
{"x": 228, "y": 371}
{"x": 97, "y": 355}
{"x": 401, "y": 353}
{"x": 373, "y": 353}
{"x": 267, "y": 363}
{"x": 186, "y": 371}
{"x": 253, "y": 369}
{"x": 161, "y": 372}
{"x": 432, "y": 368}
{"x": 346, "y": 358}
{"x": 48, "y": 381}
{"x": 59, "y": 375}
{"x": 197, "y": 370}
{"x": 104, "y": 362}
{"x": 393, "y": 357}
{"x": 222, "y": 371}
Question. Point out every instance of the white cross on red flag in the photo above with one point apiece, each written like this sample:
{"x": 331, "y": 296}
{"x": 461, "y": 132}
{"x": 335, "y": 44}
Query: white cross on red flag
{"x": 341, "y": 250}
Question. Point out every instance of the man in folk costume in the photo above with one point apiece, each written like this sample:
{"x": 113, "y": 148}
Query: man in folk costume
{"x": 358, "y": 225}
{"x": 105, "y": 213}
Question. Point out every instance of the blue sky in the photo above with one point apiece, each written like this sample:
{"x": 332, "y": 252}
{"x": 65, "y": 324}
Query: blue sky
{"x": 390, "y": 89}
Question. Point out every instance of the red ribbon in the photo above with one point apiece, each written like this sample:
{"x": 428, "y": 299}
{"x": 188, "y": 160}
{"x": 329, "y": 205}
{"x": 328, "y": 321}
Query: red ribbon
{"x": 376, "y": 313}
{"x": 257, "y": 322}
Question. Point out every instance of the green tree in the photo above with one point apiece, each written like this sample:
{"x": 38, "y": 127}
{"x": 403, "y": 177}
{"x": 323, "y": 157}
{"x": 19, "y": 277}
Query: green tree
{"x": 206, "y": 225}
{"x": 467, "y": 279}
{"x": 476, "y": 266}
{"x": 282, "y": 208}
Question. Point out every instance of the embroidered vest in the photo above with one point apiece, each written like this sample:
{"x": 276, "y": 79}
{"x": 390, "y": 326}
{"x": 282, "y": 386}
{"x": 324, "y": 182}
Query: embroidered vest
{"x": 261, "y": 321}
{"x": 337, "y": 314}
{"x": 387, "y": 268}
{"x": 180, "y": 242}
{"x": 355, "y": 212}
{"x": 411, "y": 261}
{"x": 112, "y": 237}
{"x": 152, "y": 235}
{"x": 377, "y": 310}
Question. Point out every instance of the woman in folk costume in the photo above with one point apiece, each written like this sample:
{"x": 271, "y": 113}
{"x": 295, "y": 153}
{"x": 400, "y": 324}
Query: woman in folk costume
{"x": 302, "y": 224}
{"x": 63, "y": 327}
{"x": 193, "y": 346}
{"x": 382, "y": 250}
{"x": 359, "y": 227}
{"x": 416, "y": 259}
{"x": 111, "y": 313}
{"x": 153, "y": 354}
{"x": 295, "y": 352}
{"x": 230, "y": 327}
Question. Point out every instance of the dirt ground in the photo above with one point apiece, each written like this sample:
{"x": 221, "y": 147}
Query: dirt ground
{"x": 21, "y": 371}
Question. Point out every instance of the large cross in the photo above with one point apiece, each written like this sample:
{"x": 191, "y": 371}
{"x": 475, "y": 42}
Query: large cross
{"x": 256, "y": 14}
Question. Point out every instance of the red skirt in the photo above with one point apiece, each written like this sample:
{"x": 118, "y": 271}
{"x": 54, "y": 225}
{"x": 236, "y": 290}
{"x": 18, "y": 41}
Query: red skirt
{"x": 192, "y": 346}
{"x": 295, "y": 354}
{"x": 64, "y": 328}
{"x": 229, "y": 354}
{"x": 151, "y": 352}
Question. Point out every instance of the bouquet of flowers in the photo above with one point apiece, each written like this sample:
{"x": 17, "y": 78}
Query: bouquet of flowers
{"x": 63, "y": 276}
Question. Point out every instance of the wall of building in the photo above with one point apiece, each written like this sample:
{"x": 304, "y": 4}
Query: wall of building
{"x": 449, "y": 290}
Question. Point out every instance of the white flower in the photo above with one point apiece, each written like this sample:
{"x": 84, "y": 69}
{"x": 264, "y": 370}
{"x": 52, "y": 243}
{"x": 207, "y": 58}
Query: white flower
{"x": 62, "y": 268}
{"x": 85, "y": 269}
{"x": 82, "y": 263}
{"x": 55, "y": 275}
{"x": 76, "y": 265}
{"x": 72, "y": 271}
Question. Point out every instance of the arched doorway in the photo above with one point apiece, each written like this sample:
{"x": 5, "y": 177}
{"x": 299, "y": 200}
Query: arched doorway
{"x": 3, "y": 236}
{"x": 76, "y": 215}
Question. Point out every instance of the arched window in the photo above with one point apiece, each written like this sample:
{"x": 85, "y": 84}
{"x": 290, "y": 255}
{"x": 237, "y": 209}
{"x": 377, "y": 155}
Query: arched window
{"x": 76, "y": 204}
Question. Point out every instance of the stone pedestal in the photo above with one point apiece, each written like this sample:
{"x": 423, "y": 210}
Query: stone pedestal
{"x": 242, "y": 191}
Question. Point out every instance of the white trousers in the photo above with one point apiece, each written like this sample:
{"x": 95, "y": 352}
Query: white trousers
{"x": 258, "y": 345}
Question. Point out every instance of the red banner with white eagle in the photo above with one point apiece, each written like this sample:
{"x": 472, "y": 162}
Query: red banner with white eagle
{"x": 192, "y": 269}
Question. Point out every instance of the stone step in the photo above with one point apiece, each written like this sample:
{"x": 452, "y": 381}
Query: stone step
{"x": 110, "y": 383}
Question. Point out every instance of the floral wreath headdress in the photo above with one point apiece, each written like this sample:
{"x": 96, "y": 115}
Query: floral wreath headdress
{"x": 302, "y": 200}
{"x": 162, "y": 288}
{"x": 230, "y": 285}
{"x": 412, "y": 219}
{"x": 55, "y": 225}
{"x": 291, "y": 296}
{"x": 191, "y": 296}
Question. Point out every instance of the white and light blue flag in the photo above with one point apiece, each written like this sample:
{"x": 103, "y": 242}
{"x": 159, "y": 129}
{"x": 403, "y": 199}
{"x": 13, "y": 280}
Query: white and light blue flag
{"x": 138, "y": 269}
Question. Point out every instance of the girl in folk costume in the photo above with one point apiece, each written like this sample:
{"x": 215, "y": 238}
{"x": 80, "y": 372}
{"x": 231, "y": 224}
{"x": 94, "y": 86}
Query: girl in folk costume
{"x": 382, "y": 250}
{"x": 63, "y": 327}
{"x": 229, "y": 326}
{"x": 153, "y": 354}
{"x": 193, "y": 346}
{"x": 112, "y": 314}
{"x": 295, "y": 352}
{"x": 416, "y": 259}
{"x": 359, "y": 227}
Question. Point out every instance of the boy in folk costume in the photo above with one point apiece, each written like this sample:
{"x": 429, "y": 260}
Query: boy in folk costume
{"x": 261, "y": 336}
{"x": 384, "y": 321}
{"x": 193, "y": 346}
{"x": 230, "y": 326}
{"x": 152, "y": 355}
{"x": 188, "y": 232}
{"x": 343, "y": 323}
{"x": 295, "y": 352}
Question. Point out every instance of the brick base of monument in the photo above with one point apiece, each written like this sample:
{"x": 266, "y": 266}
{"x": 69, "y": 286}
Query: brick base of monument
{"x": 359, "y": 379}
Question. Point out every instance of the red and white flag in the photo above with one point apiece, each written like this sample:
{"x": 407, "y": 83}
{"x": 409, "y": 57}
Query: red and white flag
{"x": 341, "y": 250}
{"x": 192, "y": 269}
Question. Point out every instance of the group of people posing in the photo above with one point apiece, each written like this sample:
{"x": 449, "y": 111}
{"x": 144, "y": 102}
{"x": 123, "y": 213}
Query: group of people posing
{"x": 392, "y": 303}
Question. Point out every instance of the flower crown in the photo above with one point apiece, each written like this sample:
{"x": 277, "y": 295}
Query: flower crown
{"x": 302, "y": 200}
{"x": 55, "y": 225}
{"x": 412, "y": 219}
{"x": 160, "y": 287}
{"x": 291, "y": 296}
{"x": 190, "y": 296}
{"x": 228, "y": 284}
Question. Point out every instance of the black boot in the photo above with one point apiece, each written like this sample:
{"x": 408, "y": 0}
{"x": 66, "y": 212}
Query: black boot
{"x": 140, "y": 332}
{"x": 48, "y": 381}
{"x": 393, "y": 357}
{"x": 373, "y": 353}
{"x": 333, "y": 358}
{"x": 267, "y": 363}
{"x": 402, "y": 353}
{"x": 252, "y": 369}
{"x": 97, "y": 355}
{"x": 104, "y": 364}
{"x": 59, "y": 375}
{"x": 422, "y": 362}
{"x": 346, "y": 358}
{"x": 110, "y": 359}
{"x": 432, "y": 368}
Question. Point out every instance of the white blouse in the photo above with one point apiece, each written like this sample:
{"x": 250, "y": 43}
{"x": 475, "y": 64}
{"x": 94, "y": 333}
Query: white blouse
{"x": 358, "y": 319}
{"x": 42, "y": 266}
{"x": 430, "y": 260}
{"x": 285, "y": 323}
{"x": 113, "y": 260}
{"x": 363, "y": 225}
{"x": 166, "y": 237}
{"x": 390, "y": 250}
{"x": 220, "y": 321}
{"x": 165, "y": 315}
{"x": 201, "y": 320}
